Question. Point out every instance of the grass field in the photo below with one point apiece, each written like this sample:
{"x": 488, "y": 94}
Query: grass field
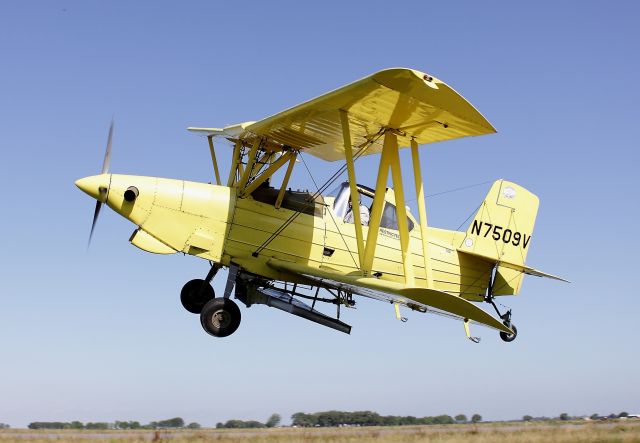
{"x": 482, "y": 433}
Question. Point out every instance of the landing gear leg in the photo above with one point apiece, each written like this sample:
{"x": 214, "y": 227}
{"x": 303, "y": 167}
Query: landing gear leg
{"x": 221, "y": 316}
{"x": 506, "y": 317}
{"x": 231, "y": 280}
{"x": 196, "y": 293}
{"x": 506, "y": 320}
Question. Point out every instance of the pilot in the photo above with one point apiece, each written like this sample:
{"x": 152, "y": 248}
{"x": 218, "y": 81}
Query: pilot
{"x": 364, "y": 214}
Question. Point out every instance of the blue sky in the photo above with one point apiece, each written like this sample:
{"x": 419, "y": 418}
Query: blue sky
{"x": 101, "y": 335}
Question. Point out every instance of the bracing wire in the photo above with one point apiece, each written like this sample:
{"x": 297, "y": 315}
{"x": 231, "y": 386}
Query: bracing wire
{"x": 362, "y": 148}
{"x": 332, "y": 218}
{"x": 462, "y": 188}
{"x": 470, "y": 215}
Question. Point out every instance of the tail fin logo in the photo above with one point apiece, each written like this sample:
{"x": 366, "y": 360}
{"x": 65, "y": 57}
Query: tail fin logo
{"x": 509, "y": 192}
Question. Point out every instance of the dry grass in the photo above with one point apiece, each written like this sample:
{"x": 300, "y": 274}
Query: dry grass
{"x": 607, "y": 432}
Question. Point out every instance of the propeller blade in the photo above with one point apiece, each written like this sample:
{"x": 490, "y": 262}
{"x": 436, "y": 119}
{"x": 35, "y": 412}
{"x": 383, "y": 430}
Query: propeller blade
{"x": 95, "y": 219}
{"x": 102, "y": 191}
{"x": 107, "y": 154}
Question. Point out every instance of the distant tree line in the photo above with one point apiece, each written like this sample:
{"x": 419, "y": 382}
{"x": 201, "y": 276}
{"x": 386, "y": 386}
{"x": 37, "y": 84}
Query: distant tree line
{"x": 610, "y": 416}
{"x": 566, "y": 417}
{"x": 240, "y": 424}
{"x": 68, "y": 425}
{"x": 171, "y": 423}
{"x": 369, "y": 418}
{"x": 4, "y": 426}
{"x": 271, "y": 422}
{"x": 301, "y": 419}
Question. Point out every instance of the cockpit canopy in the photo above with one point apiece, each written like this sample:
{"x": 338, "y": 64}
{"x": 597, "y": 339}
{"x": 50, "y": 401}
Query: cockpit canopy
{"x": 342, "y": 199}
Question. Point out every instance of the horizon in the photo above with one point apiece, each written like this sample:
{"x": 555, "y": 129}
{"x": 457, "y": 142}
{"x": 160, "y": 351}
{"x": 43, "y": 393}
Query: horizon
{"x": 453, "y": 416}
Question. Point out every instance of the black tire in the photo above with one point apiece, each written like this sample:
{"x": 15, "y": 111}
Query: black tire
{"x": 195, "y": 294}
{"x": 509, "y": 337}
{"x": 220, "y": 317}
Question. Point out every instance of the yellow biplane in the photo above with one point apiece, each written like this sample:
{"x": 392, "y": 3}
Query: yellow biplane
{"x": 282, "y": 246}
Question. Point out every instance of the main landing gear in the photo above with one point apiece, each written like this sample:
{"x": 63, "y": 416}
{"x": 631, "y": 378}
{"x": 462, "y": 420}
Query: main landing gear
{"x": 196, "y": 293}
{"x": 220, "y": 316}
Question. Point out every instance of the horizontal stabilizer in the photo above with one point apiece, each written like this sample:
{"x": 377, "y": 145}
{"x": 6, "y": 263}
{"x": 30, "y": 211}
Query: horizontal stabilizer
{"x": 517, "y": 267}
{"x": 535, "y": 272}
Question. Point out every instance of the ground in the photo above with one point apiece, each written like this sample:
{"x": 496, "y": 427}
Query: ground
{"x": 552, "y": 431}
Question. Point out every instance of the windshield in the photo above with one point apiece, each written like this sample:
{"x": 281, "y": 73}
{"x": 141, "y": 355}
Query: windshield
{"x": 341, "y": 202}
{"x": 390, "y": 218}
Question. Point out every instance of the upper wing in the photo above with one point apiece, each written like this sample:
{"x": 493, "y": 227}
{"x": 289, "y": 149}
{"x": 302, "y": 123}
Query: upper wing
{"x": 429, "y": 299}
{"x": 233, "y": 131}
{"x": 413, "y": 103}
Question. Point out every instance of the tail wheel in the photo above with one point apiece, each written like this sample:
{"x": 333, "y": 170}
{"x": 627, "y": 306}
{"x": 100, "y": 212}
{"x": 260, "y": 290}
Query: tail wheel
{"x": 195, "y": 294}
{"x": 509, "y": 337}
{"x": 220, "y": 317}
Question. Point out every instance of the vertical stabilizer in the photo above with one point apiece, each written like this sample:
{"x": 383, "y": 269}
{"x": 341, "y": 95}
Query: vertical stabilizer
{"x": 501, "y": 232}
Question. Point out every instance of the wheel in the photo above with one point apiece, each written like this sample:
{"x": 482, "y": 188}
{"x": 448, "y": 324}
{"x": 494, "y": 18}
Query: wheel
{"x": 195, "y": 294}
{"x": 220, "y": 317}
{"x": 509, "y": 337}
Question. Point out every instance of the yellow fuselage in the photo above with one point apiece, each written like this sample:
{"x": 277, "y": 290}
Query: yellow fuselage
{"x": 212, "y": 223}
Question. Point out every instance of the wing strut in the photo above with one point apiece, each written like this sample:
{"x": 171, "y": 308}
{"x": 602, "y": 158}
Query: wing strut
{"x": 214, "y": 160}
{"x": 389, "y": 160}
{"x": 268, "y": 172}
{"x": 235, "y": 163}
{"x": 378, "y": 203}
{"x": 422, "y": 211}
{"x": 285, "y": 181}
{"x": 401, "y": 208}
{"x": 251, "y": 161}
{"x": 353, "y": 184}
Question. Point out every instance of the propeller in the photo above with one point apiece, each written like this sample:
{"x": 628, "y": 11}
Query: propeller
{"x": 102, "y": 190}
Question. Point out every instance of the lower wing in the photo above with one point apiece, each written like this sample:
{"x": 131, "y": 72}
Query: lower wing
{"x": 427, "y": 300}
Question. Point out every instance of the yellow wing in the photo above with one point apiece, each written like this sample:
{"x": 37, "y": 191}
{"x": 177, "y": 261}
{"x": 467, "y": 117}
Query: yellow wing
{"x": 428, "y": 299}
{"x": 413, "y": 103}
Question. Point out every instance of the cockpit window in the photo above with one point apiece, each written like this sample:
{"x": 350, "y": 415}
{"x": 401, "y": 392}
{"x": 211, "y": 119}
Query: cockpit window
{"x": 341, "y": 206}
{"x": 341, "y": 202}
{"x": 390, "y": 218}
